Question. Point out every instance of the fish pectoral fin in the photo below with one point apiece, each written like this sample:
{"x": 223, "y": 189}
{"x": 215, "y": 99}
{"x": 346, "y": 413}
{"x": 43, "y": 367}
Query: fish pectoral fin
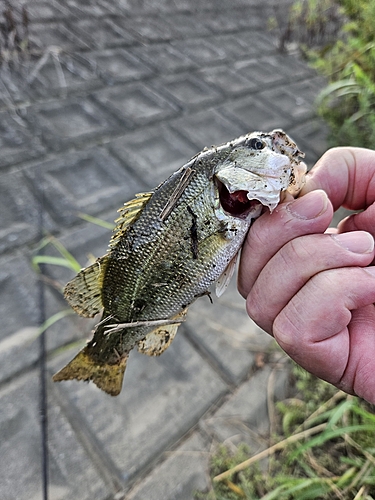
{"x": 105, "y": 376}
{"x": 157, "y": 341}
{"x": 84, "y": 292}
{"x": 223, "y": 281}
{"x": 129, "y": 213}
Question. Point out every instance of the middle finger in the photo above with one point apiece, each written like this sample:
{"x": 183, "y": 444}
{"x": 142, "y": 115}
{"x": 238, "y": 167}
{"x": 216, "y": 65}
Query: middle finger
{"x": 300, "y": 259}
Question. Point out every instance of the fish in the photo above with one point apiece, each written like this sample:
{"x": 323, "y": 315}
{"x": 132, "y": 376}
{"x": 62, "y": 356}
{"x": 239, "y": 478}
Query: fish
{"x": 170, "y": 245}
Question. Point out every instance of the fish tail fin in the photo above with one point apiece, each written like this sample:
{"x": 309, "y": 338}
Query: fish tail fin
{"x": 107, "y": 377}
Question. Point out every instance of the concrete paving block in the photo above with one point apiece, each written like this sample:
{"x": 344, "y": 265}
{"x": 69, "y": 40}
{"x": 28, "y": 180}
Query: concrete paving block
{"x": 187, "y": 25}
{"x": 19, "y": 213}
{"x": 312, "y": 138}
{"x": 90, "y": 181}
{"x": 257, "y": 43}
{"x": 254, "y": 114}
{"x": 152, "y": 28}
{"x": 129, "y": 6}
{"x": 162, "y": 398}
{"x": 297, "y": 99}
{"x": 220, "y": 22}
{"x": 13, "y": 90}
{"x": 135, "y": 103}
{"x": 71, "y": 122}
{"x": 119, "y": 65}
{"x": 187, "y": 91}
{"x": 293, "y": 104}
{"x": 207, "y": 128}
{"x": 231, "y": 45}
{"x": 45, "y": 11}
{"x": 86, "y": 243}
{"x": 258, "y": 21}
{"x": 61, "y": 76}
{"x": 153, "y": 153}
{"x": 71, "y": 472}
{"x": 92, "y": 8}
{"x": 17, "y": 141}
{"x": 296, "y": 69}
{"x": 226, "y": 80}
{"x": 164, "y": 58}
{"x": 43, "y": 36}
{"x": 264, "y": 71}
{"x": 226, "y": 334}
{"x": 200, "y": 50}
{"x": 172, "y": 6}
{"x": 184, "y": 471}
{"x": 102, "y": 33}
{"x": 245, "y": 415}
{"x": 19, "y": 309}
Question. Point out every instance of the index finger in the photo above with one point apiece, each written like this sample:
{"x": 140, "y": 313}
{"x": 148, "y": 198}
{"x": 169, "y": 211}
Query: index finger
{"x": 347, "y": 175}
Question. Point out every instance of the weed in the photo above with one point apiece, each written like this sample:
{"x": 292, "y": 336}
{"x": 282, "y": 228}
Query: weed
{"x": 324, "y": 450}
{"x": 337, "y": 37}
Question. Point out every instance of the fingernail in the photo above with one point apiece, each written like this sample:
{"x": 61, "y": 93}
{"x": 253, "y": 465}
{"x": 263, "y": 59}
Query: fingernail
{"x": 356, "y": 241}
{"x": 309, "y": 206}
{"x": 370, "y": 270}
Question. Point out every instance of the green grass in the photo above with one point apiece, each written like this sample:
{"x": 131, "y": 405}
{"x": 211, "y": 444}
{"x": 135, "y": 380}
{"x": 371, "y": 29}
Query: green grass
{"x": 337, "y": 38}
{"x": 324, "y": 449}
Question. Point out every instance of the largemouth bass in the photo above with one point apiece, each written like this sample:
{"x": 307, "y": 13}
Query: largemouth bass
{"x": 170, "y": 245}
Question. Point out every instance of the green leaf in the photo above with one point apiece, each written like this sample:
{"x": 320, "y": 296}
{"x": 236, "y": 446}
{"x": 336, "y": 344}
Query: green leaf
{"x": 330, "y": 434}
{"x": 97, "y": 221}
{"x": 55, "y": 261}
{"x": 54, "y": 318}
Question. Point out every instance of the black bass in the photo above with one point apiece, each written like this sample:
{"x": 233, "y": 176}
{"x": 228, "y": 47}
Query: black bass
{"x": 170, "y": 245}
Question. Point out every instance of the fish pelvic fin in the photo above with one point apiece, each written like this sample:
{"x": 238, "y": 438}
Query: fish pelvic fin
{"x": 108, "y": 377}
{"x": 158, "y": 341}
{"x": 129, "y": 213}
{"x": 84, "y": 292}
{"x": 224, "y": 280}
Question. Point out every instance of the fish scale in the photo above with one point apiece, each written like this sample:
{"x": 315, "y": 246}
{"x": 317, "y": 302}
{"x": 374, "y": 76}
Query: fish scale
{"x": 171, "y": 245}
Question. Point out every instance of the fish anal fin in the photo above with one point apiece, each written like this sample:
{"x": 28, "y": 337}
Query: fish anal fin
{"x": 105, "y": 376}
{"x": 223, "y": 281}
{"x": 129, "y": 213}
{"x": 157, "y": 341}
{"x": 84, "y": 292}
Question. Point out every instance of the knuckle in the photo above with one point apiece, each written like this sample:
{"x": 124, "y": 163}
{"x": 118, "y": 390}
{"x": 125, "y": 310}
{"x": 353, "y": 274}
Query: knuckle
{"x": 256, "y": 308}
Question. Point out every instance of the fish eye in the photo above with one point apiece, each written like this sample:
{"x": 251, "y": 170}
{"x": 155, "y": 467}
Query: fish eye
{"x": 255, "y": 143}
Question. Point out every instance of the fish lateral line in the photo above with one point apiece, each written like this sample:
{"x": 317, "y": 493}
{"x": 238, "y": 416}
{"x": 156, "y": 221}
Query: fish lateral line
{"x": 175, "y": 196}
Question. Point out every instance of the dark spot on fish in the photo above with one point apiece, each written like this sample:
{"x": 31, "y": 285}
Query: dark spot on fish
{"x": 193, "y": 233}
{"x": 138, "y": 305}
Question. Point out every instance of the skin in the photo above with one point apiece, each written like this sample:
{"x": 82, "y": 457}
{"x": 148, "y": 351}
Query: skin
{"x": 313, "y": 288}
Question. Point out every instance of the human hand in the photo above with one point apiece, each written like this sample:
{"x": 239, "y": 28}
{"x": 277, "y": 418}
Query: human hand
{"x": 313, "y": 289}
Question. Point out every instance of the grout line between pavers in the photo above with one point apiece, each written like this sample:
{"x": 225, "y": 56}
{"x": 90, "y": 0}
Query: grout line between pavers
{"x": 101, "y": 460}
{"x": 208, "y": 358}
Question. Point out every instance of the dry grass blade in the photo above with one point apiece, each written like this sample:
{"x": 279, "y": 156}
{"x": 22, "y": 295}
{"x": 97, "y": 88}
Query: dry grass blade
{"x": 271, "y": 450}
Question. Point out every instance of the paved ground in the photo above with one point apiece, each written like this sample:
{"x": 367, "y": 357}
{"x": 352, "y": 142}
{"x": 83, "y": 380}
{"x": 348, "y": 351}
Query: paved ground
{"x": 138, "y": 88}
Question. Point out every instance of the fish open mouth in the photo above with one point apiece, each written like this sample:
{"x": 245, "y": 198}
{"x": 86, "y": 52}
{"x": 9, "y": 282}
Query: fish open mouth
{"x": 236, "y": 204}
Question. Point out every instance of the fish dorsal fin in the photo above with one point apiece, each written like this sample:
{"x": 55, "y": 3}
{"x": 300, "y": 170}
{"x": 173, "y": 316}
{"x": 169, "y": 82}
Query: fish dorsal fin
{"x": 84, "y": 292}
{"x": 223, "y": 281}
{"x": 129, "y": 213}
{"x": 105, "y": 376}
{"x": 157, "y": 341}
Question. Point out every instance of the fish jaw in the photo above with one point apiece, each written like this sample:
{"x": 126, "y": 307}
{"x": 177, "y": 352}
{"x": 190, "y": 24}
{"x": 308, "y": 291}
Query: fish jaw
{"x": 263, "y": 166}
